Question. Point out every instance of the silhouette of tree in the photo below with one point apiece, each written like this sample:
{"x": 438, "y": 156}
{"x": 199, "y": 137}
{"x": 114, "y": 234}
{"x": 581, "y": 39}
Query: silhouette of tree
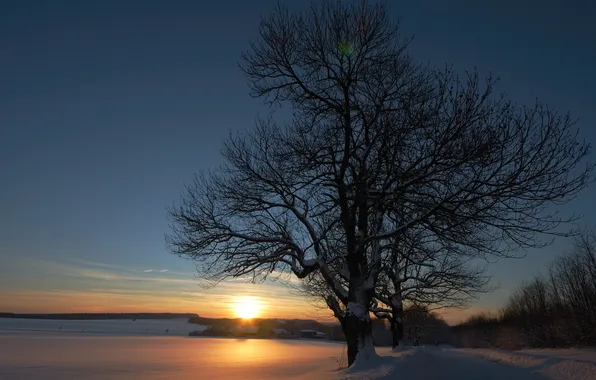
{"x": 378, "y": 146}
{"x": 415, "y": 275}
{"x": 420, "y": 274}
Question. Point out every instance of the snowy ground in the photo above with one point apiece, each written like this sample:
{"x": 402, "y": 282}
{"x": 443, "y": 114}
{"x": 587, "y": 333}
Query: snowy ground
{"x": 52, "y": 354}
{"x": 167, "y": 327}
{"x": 471, "y": 364}
{"x": 551, "y": 363}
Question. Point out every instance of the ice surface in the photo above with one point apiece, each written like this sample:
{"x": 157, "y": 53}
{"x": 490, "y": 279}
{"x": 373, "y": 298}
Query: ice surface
{"x": 168, "y": 327}
{"x": 49, "y": 354}
{"x": 53, "y": 356}
{"x": 357, "y": 310}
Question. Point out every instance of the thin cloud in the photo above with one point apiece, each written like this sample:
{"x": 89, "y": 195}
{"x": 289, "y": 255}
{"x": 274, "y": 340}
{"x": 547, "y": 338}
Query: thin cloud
{"x": 94, "y": 287}
{"x": 87, "y": 263}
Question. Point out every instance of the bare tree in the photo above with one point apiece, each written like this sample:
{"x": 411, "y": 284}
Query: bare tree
{"x": 315, "y": 289}
{"x": 418, "y": 273}
{"x": 423, "y": 325}
{"x": 372, "y": 134}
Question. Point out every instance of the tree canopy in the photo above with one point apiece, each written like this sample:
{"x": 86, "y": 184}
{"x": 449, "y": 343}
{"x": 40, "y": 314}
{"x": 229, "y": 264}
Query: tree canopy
{"x": 379, "y": 149}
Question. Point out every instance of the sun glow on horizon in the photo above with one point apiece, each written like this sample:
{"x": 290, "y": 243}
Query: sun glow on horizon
{"x": 247, "y": 307}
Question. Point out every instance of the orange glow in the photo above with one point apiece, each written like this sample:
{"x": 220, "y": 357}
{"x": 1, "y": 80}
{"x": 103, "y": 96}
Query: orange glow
{"x": 207, "y": 304}
{"x": 247, "y": 307}
{"x": 204, "y": 304}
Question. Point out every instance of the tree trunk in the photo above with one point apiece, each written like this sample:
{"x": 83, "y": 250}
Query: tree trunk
{"x": 359, "y": 339}
{"x": 397, "y": 330}
{"x": 397, "y": 320}
{"x": 358, "y": 331}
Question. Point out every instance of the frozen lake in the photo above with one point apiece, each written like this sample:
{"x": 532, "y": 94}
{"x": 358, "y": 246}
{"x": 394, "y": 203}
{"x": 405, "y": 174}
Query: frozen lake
{"x": 179, "y": 327}
{"x": 121, "y": 349}
{"x": 124, "y": 350}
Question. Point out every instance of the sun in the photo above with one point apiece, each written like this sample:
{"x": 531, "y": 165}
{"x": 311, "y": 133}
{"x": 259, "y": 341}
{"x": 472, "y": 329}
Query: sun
{"x": 247, "y": 307}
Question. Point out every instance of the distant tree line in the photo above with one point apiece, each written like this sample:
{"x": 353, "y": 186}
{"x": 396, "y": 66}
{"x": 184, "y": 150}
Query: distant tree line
{"x": 421, "y": 327}
{"x": 101, "y": 316}
{"x": 222, "y": 326}
{"x": 556, "y": 309}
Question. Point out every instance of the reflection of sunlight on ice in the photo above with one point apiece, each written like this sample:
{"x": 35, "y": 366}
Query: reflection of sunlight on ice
{"x": 66, "y": 355}
{"x": 256, "y": 352}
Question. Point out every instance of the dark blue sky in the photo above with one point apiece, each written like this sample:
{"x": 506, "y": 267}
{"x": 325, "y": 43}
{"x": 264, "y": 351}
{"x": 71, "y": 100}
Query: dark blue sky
{"x": 108, "y": 107}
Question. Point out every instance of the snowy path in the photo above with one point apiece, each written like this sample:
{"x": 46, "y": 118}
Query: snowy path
{"x": 457, "y": 364}
{"x": 561, "y": 364}
{"x": 435, "y": 363}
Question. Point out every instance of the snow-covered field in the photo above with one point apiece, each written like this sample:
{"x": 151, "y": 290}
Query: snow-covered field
{"x": 42, "y": 352}
{"x": 109, "y": 326}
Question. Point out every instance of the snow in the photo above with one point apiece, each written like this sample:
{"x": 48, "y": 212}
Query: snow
{"x": 551, "y": 363}
{"x": 414, "y": 363}
{"x": 169, "y": 327}
{"x": 357, "y": 309}
{"x": 45, "y": 353}
{"x": 367, "y": 355}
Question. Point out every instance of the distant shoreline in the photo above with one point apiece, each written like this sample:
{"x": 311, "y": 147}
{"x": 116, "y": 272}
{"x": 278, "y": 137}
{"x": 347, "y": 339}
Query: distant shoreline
{"x": 84, "y": 333}
{"x": 100, "y": 316}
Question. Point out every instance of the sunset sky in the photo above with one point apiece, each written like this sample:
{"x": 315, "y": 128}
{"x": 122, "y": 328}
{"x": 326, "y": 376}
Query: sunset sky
{"x": 108, "y": 107}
